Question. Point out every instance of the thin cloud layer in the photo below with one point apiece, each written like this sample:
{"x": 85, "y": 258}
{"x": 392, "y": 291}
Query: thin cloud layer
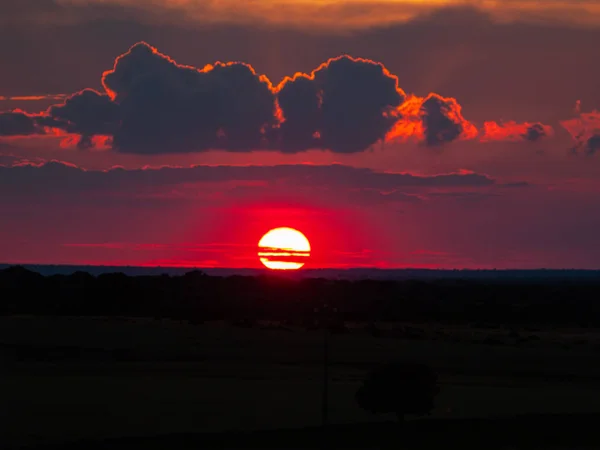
{"x": 65, "y": 177}
{"x": 153, "y": 105}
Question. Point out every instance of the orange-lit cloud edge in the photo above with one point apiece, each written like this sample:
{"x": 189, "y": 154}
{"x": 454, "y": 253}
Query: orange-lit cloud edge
{"x": 408, "y": 117}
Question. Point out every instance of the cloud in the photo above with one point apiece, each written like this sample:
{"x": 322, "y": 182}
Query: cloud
{"x": 344, "y": 105}
{"x": 154, "y": 105}
{"x": 434, "y": 120}
{"x": 18, "y": 123}
{"x": 592, "y": 145}
{"x": 60, "y": 177}
{"x": 32, "y": 98}
{"x": 584, "y": 130}
{"x": 443, "y": 121}
{"x": 487, "y": 65}
{"x": 338, "y": 15}
{"x": 535, "y": 132}
{"x": 87, "y": 113}
{"x": 166, "y": 107}
{"x": 515, "y": 132}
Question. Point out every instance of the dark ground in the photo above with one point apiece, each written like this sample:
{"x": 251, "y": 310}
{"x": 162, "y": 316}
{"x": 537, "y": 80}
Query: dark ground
{"x": 560, "y": 431}
{"x": 175, "y": 384}
{"x": 207, "y": 362}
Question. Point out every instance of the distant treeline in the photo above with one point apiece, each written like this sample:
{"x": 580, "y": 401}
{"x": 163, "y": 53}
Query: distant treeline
{"x": 196, "y": 296}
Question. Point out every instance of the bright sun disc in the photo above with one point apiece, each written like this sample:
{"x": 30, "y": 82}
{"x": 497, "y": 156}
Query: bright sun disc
{"x": 283, "y": 249}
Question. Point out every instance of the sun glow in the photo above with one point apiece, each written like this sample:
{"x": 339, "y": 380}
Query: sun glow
{"x": 283, "y": 249}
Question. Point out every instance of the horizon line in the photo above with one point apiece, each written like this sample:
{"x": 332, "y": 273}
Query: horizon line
{"x": 263, "y": 269}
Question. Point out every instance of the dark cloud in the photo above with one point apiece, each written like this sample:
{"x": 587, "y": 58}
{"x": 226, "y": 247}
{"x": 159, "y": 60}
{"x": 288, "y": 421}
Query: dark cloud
{"x": 299, "y": 100}
{"x": 154, "y": 105}
{"x": 18, "y": 123}
{"x": 87, "y": 113}
{"x": 166, "y": 107}
{"x": 443, "y": 121}
{"x": 41, "y": 179}
{"x": 344, "y": 105}
{"x": 535, "y": 132}
{"x": 592, "y": 145}
{"x": 356, "y": 94}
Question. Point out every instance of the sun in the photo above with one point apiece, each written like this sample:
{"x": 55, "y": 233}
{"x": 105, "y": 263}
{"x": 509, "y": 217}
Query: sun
{"x": 283, "y": 249}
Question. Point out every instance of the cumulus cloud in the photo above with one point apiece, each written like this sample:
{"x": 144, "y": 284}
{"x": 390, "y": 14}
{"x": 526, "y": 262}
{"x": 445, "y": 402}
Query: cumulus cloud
{"x": 434, "y": 120}
{"x": 166, "y": 107}
{"x": 300, "y": 98}
{"x": 535, "y": 132}
{"x": 443, "y": 121}
{"x": 344, "y": 105}
{"x": 153, "y": 105}
{"x": 515, "y": 132}
{"x": 18, "y": 123}
{"x": 87, "y": 113}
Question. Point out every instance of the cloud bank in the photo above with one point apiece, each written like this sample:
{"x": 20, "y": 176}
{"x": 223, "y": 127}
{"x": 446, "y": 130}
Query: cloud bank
{"x": 57, "y": 176}
{"x": 152, "y": 105}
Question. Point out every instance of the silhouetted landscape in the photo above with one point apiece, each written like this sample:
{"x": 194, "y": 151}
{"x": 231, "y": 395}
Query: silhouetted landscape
{"x": 204, "y": 361}
{"x": 195, "y": 296}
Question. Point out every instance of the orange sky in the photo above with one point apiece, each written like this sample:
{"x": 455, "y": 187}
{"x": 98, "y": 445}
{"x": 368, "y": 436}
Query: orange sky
{"x": 344, "y": 15}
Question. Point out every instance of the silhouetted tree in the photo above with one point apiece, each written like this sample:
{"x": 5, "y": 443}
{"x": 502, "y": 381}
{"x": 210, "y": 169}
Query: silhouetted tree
{"x": 400, "y": 388}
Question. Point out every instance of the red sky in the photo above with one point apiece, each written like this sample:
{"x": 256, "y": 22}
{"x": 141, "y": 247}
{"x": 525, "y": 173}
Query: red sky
{"x": 414, "y": 134}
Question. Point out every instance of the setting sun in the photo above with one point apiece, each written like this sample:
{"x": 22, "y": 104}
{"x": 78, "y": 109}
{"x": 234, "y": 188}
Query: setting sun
{"x": 283, "y": 249}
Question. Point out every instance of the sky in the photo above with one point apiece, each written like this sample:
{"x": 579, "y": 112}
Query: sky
{"x": 392, "y": 133}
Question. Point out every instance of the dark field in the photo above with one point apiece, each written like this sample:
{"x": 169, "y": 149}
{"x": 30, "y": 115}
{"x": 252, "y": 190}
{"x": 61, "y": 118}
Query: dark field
{"x": 113, "y": 381}
{"x": 171, "y": 377}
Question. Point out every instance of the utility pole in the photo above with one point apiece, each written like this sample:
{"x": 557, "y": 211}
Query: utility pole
{"x": 325, "y": 315}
